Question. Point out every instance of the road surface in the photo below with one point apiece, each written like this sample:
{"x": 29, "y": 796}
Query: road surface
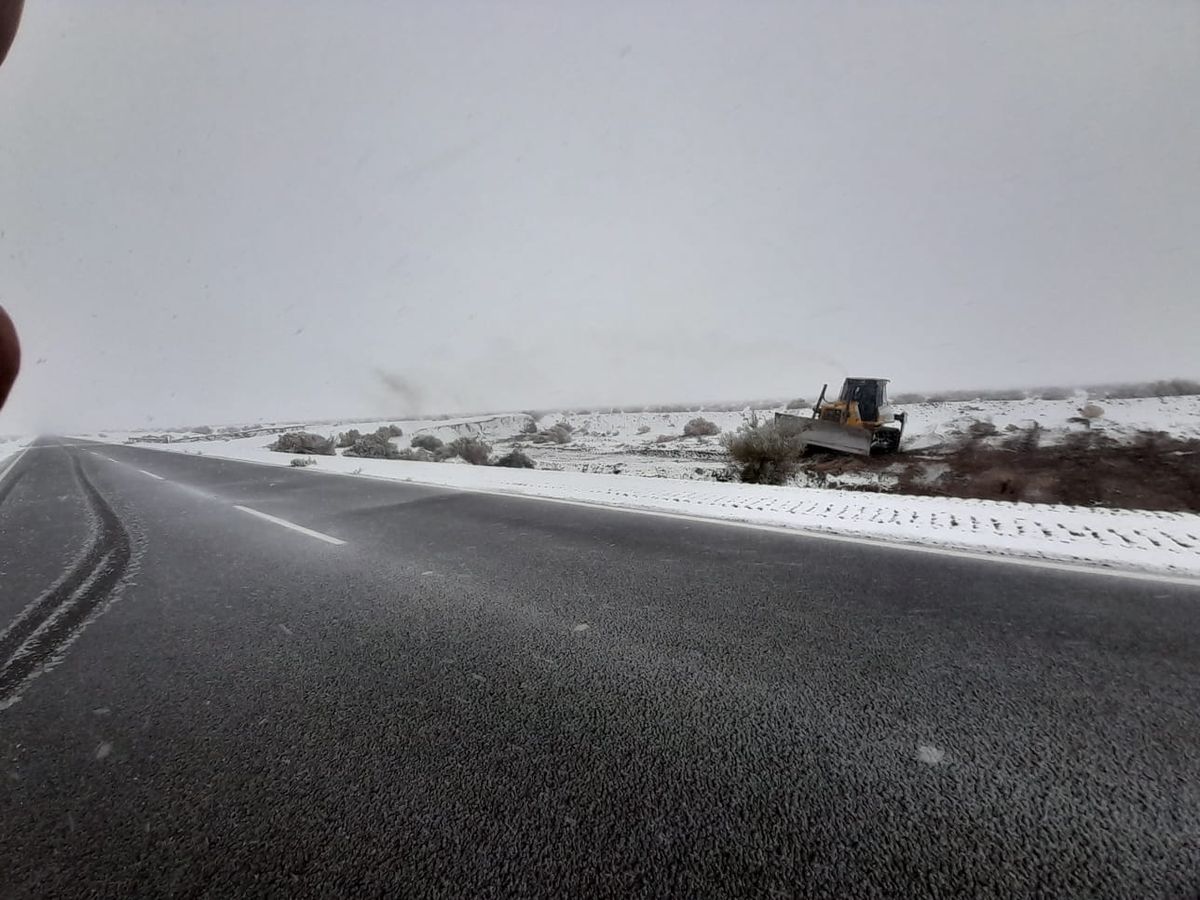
{"x": 277, "y": 682}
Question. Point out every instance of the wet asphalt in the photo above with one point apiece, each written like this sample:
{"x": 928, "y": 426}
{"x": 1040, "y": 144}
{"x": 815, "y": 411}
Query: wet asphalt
{"x": 480, "y": 695}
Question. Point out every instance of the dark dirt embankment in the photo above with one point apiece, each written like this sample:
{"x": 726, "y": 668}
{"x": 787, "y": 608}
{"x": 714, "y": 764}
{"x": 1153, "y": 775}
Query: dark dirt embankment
{"x": 1155, "y": 471}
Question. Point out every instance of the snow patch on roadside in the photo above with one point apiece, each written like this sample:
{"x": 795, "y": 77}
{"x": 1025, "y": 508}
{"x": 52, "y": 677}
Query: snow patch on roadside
{"x": 628, "y": 443}
{"x": 9, "y": 446}
{"x": 1162, "y": 542}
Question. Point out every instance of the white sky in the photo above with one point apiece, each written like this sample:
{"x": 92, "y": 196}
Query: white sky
{"x": 216, "y": 212}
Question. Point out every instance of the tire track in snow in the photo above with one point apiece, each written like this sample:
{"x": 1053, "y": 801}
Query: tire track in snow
{"x": 48, "y": 625}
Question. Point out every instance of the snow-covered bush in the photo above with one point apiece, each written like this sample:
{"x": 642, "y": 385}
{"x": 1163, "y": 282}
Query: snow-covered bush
{"x": 427, "y": 442}
{"x": 373, "y": 446}
{"x": 470, "y": 449}
{"x": 701, "y": 427}
{"x": 556, "y": 434}
{"x": 303, "y": 442}
{"x": 515, "y": 459}
{"x": 764, "y": 454}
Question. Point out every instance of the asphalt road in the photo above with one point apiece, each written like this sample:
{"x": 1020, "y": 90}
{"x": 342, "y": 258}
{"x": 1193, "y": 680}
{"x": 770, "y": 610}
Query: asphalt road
{"x": 478, "y": 695}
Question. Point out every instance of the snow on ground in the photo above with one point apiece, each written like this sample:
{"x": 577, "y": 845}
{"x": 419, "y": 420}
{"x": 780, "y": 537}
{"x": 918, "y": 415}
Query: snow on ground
{"x": 1158, "y": 542}
{"x": 649, "y": 443}
{"x": 9, "y": 446}
{"x": 641, "y": 460}
{"x": 931, "y": 425}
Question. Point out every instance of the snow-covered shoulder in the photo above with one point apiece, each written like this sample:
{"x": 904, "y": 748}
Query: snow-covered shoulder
{"x": 1159, "y": 542}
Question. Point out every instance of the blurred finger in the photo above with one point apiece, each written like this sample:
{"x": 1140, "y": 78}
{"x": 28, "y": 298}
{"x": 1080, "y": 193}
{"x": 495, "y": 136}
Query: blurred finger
{"x": 10, "y": 16}
{"x": 10, "y": 355}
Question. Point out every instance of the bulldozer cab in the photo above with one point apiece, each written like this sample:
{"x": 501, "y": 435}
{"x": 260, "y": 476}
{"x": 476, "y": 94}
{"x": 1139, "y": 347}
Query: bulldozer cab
{"x": 869, "y": 393}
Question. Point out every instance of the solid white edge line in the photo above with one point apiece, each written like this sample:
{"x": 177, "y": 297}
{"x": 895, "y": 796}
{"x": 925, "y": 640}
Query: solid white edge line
{"x": 1029, "y": 562}
{"x": 151, "y": 474}
{"x": 292, "y": 525}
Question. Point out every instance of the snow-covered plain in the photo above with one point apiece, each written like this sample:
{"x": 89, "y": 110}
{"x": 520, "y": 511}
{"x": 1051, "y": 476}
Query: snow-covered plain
{"x": 8, "y": 447}
{"x": 648, "y": 443}
{"x": 936, "y": 424}
{"x": 1159, "y": 542}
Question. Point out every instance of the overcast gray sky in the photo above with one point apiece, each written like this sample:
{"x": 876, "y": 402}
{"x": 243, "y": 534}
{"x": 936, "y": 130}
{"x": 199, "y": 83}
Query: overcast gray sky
{"x": 215, "y": 212}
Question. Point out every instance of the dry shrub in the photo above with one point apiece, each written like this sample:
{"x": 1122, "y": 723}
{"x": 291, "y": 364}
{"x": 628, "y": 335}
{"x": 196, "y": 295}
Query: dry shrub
{"x": 303, "y": 442}
{"x": 427, "y": 442}
{"x": 470, "y": 449}
{"x": 515, "y": 459}
{"x": 764, "y": 454}
{"x": 700, "y": 427}
{"x": 374, "y": 446}
{"x": 556, "y": 434}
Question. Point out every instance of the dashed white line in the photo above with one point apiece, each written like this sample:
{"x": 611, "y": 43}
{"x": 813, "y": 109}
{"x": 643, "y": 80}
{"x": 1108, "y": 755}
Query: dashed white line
{"x": 292, "y": 525}
{"x": 899, "y": 544}
{"x": 151, "y": 474}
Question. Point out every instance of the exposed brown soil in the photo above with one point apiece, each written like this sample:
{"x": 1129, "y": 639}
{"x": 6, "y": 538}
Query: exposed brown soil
{"x": 1154, "y": 472}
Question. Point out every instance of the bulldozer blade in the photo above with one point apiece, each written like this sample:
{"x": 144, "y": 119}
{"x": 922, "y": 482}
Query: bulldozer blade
{"x": 827, "y": 435}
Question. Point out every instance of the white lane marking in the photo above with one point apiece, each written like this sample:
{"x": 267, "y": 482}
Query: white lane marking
{"x": 151, "y": 474}
{"x": 292, "y": 525}
{"x": 13, "y": 462}
{"x": 1053, "y": 565}
{"x": 980, "y": 556}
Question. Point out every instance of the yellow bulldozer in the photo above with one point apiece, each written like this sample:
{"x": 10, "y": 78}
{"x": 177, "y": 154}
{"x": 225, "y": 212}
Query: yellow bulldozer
{"x": 859, "y": 421}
